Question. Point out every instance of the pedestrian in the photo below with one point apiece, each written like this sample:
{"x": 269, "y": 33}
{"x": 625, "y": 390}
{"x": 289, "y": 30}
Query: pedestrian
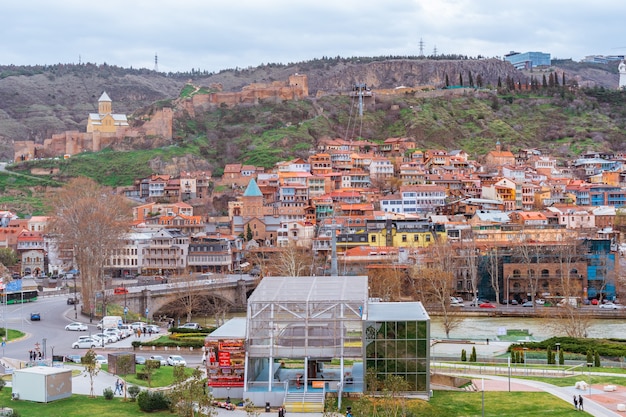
{"x": 348, "y": 411}
{"x": 575, "y": 402}
{"x": 30, "y": 355}
{"x": 117, "y": 386}
{"x": 580, "y": 403}
{"x": 139, "y": 332}
{"x": 40, "y": 355}
{"x": 281, "y": 412}
{"x": 121, "y": 387}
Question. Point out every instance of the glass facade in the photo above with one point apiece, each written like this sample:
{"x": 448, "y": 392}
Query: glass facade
{"x": 399, "y": 348}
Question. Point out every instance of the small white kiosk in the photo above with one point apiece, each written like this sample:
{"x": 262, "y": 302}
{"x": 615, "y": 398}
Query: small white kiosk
{"x": 42, "y": 384}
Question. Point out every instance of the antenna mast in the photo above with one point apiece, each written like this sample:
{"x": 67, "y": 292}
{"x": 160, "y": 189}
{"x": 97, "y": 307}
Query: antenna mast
{"x": 421, "y": 47}
{"x": 156, "y": 63}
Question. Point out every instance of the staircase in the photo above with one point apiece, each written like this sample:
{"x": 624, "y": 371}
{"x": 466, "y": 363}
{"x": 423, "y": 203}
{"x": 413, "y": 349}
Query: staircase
{"x": 305, "y": 402}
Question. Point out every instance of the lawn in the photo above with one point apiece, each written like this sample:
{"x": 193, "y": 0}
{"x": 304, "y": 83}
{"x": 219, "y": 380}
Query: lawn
{"x": 162, "y": 377}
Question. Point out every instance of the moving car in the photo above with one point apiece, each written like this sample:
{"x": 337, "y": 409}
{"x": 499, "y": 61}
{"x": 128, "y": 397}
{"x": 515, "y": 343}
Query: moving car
{"x": 487, "y": 305}
{"x": 88, "y": 343}
{"x": 152, "y": 328}
{"x": 72, "y": 301}
{"x": 610, "y": 306}
{"x": 137, "y": 325}
{"x": 159, "y": 358}
{"x": 77, "y": 327}
{"x": 175, "y": 360}
{"x": 35, "y": 317}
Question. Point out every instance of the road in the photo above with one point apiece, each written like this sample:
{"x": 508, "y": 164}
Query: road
{"x": 55, "y": 315}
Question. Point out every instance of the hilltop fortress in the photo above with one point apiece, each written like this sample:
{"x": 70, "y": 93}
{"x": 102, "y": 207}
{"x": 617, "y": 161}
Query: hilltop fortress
{"x": 106, "y": 129}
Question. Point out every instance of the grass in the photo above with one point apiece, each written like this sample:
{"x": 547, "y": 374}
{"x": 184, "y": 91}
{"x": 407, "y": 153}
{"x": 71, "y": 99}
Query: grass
{"x": 161, "y": 377}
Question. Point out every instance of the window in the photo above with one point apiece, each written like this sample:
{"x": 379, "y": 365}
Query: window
{"x": 373, "y": 239}
{"x": 404, "y": 238}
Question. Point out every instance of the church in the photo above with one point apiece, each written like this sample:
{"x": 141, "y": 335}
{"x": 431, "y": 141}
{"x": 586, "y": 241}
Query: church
{"x": 105, "y": 121}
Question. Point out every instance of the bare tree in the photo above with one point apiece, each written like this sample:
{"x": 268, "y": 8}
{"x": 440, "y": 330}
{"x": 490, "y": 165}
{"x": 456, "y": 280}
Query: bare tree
{"x": 291, "y": 261}
{"x": 387, "y": 283}
{"x": 493, "y": 268}
{"x": 91, "y": 219}
{"x": 437, "y": 282}
{"x": 469, "y": 259}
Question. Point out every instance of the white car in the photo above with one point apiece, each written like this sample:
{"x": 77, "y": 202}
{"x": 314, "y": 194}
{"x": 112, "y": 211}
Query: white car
{"x": 114, "y": 332}
{"x": 87, "y": 343}
{"x": 77, "y": 327}
{"x": 159, "y": 358}
{"x": 194, "y": 326}
{"x": 175, "y": 360}
{"x": 102, "y": 360}
{"x": 137, "y": 325}
{"x": 108, "y": 338}
{"x": 610, "y": 306}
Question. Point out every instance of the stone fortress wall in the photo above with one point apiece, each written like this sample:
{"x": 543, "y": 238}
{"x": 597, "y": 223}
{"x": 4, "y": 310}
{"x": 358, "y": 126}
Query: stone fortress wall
{"x": 160, "y": 123}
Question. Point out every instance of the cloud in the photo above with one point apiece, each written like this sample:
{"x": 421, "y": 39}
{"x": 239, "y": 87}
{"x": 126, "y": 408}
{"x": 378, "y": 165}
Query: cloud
{"x": 217, "y": 34}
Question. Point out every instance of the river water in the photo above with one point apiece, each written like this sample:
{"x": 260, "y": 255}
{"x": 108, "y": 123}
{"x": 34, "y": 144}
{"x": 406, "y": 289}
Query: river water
{"x": 478, "y": 328}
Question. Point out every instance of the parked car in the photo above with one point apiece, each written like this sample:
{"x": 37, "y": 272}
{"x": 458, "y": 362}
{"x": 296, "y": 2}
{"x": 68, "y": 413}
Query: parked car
{"x": 77, "y": 327}
{"x": 72, "y": 301}
{"x": 487, "y": 305}
{"x": 120, "y": 290}
{"x": 194, "y": 326}
{"x": 175, "y": 360}
{"x": 35, "y": 316}
{"x": 88, "y": 343}
{"x": 126, "y": 330}
{"x": 152, "y": 328}
{"x": 114, "y": 332}
{"x": 108, "y": 338}
{"x": 159, "y": 358}
{"x": 140, "y": 360}
{"x": 102, "y": 360}
{"x": 528, "y": 304}
{"x": 610, "y": 306}
{"x": 73, "y": 358}
{"x": 137, "y": 325}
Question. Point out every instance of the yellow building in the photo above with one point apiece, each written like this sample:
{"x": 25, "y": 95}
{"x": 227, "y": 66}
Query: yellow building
{"x": 105, "y": 120}
{"x": 405, "y": 234}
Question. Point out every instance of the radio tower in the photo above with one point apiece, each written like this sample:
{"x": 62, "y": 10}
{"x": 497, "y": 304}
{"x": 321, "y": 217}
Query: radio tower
{"x": 156, "y": 63}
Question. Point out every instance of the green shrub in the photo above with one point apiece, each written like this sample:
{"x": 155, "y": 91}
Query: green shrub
{"x": 133, "y": 391}
{"x": 143, "y": 375}
{"x": 155, "y": 364}
{"x": 152, "y": 401}
{"x": 108, "y": 393}
{"x": 463, "y": 355}
{"x": 2, "y": 383}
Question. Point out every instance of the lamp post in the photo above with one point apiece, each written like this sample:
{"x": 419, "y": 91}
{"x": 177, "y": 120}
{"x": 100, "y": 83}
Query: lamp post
{"x": 508, "y": 291}
{"x": 525, "y": 370}
{"x": 558, "y": 350}
{"x": 75, "y": 311}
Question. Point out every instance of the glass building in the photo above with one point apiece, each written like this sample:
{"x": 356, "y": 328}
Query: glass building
{"x": 397, "y": 341}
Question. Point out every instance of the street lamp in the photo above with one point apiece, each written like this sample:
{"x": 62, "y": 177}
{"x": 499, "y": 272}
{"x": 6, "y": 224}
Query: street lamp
{"x": 525, "y": 371}
{"x": 558, "y": 347}
{"x": 75, "y": 311}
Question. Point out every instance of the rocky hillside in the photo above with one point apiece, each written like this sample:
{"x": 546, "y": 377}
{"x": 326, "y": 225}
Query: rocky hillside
{"x": 36, "y": 102}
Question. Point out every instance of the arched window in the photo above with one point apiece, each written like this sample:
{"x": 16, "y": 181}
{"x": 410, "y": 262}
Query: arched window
{"x": 545, "y": 273}
{"x": 573, "y": 272}
{"x": 516, "y": 273}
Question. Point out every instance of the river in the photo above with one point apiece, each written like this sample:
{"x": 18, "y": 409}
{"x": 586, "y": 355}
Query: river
{"x": 478, "y": 328}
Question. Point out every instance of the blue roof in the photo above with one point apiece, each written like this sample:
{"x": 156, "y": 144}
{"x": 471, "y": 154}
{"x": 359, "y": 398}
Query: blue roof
{"x": 253, "y": 190}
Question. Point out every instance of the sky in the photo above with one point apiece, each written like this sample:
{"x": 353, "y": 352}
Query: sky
{"x": 213, "y": 35}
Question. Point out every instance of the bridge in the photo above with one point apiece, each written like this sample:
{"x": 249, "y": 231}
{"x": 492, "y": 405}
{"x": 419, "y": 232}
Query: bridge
{"x": 232, "y": 290}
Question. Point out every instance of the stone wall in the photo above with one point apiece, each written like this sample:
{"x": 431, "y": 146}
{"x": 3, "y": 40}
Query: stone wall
{"x": 74, "y": 142}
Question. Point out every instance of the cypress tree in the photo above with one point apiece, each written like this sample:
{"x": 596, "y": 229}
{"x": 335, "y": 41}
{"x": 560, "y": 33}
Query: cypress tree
{"x": 561, "y": 357}
{"x": 590, "y": 357}
{"x": 549, "y": 355}
{"x": 473, "y": 355}
{"x": 596, "y": 360}
{"x": 461, "y": 79}
{"x": 499, "y": 82}
{"x": 544, "y": 82}
{"x": 447, "y": 81}
{"x": 249, "y": 233}
{"x": 463, "y": 355}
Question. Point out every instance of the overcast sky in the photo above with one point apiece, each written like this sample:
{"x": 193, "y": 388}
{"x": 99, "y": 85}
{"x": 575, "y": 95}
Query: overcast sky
{"x": 219, "y": 34}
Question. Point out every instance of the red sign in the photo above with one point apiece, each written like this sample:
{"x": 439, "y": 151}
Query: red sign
{"x": 223, "y": 358}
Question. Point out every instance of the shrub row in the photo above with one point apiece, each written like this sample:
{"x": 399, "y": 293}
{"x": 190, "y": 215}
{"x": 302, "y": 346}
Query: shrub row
{"x": 605, "y": 347}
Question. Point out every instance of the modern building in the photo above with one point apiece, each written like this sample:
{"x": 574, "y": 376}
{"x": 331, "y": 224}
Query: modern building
{"x": 528, "y": 60}
{"x": 330, "y": 333}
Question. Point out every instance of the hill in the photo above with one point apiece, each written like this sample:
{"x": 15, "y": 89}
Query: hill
{"x": 36, "y": 102}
